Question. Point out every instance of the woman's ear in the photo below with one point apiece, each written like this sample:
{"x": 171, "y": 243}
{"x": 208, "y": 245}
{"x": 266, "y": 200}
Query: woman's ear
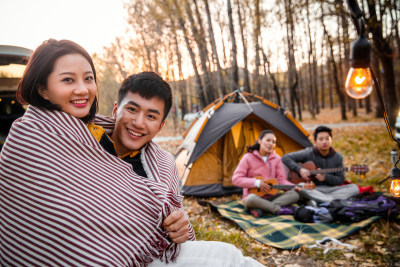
{"x": 42, "y": 91}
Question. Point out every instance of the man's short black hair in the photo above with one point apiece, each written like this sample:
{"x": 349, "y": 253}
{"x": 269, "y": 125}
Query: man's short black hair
{"x": 321, "y": 129}
{"x": 147, "y": 85}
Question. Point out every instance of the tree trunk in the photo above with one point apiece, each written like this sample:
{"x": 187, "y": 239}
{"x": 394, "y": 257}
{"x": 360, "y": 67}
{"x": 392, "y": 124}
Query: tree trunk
{"x": 293, "y": 76}
{"x": 322, "y": 77}
{"x": 235, "y": 69}
{"x": 185, "y": 104}
{"x": 385, "y": 57}
{"x": 221, "y": 83}
{"x": 199, "y": 38}
{"x": 335, "y": 73}
{"x": 199, "y": 86}
{"x": 311, "y": 104}
{"x": 256, "y": 40}
{"x": 344, "y": 45}
{"x": 244, "y": 43}
{"x": 275, "y": 85}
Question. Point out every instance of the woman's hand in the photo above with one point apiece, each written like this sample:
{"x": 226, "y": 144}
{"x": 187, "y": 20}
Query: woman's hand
{"x": 264, "y": 187}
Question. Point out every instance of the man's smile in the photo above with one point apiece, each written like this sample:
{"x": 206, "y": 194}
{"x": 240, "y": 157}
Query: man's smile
{"x": 135, "y": 133}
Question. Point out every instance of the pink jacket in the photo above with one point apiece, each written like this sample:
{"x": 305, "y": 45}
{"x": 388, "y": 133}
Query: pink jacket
{"x": 253, "y": 165}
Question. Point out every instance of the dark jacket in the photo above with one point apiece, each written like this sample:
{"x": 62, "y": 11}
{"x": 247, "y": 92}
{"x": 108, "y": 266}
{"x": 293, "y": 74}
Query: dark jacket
{"x": 332, "y": 160}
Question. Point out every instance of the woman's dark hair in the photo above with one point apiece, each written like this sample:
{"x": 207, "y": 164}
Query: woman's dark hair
{"x": 38, "y": 69}
{"x": 256, "y": 146}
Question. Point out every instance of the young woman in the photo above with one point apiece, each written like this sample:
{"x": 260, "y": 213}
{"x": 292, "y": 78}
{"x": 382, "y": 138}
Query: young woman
{"x": 262, "y": 161}
{"x": 64, "y": 200}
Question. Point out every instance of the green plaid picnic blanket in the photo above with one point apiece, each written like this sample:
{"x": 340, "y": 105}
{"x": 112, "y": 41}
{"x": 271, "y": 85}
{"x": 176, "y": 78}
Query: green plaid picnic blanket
{"x": 283, "y": 231}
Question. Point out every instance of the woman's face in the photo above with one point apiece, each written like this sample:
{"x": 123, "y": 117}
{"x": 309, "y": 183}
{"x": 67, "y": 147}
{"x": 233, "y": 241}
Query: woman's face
{"x": 267, "y": 144}
{"x": 71, "y": 85}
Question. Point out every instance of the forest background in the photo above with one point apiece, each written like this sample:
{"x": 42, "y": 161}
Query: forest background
{"x": 293, "y": 53}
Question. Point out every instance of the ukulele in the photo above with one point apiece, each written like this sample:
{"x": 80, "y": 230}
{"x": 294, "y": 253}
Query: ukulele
{"x": 275, "y": 186}
{"x": 295, "y": 178}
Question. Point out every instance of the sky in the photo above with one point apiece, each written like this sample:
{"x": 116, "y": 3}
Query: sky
{"x": 90, "y": 23}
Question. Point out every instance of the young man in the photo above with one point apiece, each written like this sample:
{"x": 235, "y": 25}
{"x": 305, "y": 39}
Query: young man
{"x": 328, "y": 186}
{"x": 144, "y": 101}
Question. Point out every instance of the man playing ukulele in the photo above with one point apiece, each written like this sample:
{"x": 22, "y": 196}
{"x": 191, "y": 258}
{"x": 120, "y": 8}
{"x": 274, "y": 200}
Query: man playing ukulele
{"x": 329, "y": 185}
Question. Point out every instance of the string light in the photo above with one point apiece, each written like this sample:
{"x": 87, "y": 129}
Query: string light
{"x": 361, "y": 80}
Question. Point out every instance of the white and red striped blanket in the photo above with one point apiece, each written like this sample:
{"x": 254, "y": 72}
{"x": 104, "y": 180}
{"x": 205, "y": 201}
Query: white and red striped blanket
{"x": 64, "y": 201}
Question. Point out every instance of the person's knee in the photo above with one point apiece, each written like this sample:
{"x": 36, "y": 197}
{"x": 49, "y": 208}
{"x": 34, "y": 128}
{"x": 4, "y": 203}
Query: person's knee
{"x": 294, "y": 195}
{"x": 250, "y": 201}
{"x": 353, "y": 189}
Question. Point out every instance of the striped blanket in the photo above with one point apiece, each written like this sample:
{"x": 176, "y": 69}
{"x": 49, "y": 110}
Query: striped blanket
{"x": 283, "y": 231}
{"x": 64, "y": 201}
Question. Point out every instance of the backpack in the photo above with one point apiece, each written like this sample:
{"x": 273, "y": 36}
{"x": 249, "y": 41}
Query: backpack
{"x": 358, "y": 209}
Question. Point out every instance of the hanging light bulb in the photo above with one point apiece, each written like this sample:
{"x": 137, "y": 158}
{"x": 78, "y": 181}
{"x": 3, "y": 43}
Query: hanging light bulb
{"x": 395, "y": 188}
{"x": 359, "y": 83}
{"x": 395, "y": 185}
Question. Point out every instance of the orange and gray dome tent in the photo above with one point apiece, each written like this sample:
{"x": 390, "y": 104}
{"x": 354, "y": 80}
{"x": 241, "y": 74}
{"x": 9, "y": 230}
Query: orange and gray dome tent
{"x": 217, "y": 139}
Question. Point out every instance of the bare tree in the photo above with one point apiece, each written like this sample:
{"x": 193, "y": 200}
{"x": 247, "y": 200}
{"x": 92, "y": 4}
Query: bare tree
{"x": 235, "y": 68}
{"x": 221, "y": 83}
{"x": 335, "y": 71}
{"x": 256, "y": 40}
{"x": 244, "y": 44}
{"x": 275, "y": 85}
{"x": 199, "y": 86}
{"x": 311, "y": 59}
{"x": 199, "y": 37}
{"x": 293, "y": 76}
{"x": 383, "y": 50}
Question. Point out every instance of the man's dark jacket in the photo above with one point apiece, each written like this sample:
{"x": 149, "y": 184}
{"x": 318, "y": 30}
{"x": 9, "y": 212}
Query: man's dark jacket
{"x": 332, "y": 160}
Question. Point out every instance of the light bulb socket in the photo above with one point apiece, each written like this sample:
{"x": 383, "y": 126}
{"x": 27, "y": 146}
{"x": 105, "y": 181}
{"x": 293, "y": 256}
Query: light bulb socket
{"x": 360, "y": 54}
{"x": 354, "y": 9}
{"x": 395, "y": 173}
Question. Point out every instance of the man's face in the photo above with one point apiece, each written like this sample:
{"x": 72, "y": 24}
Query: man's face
{"x": 137, "y": 121}
{"x": 323, "y": 142}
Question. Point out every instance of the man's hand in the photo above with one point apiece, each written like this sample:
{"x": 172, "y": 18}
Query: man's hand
{"x": 320, "y": 177}
{"x": 305, "y": 174}
{"x": 177, "y": 224}
{"x": 264, "y": 187}
{"x": 297, "y": 188}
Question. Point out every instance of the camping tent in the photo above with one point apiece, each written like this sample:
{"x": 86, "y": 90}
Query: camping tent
{"x": 217, "y": 139}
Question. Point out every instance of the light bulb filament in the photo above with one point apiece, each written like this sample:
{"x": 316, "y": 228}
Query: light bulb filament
{"x": 359, "y": 79}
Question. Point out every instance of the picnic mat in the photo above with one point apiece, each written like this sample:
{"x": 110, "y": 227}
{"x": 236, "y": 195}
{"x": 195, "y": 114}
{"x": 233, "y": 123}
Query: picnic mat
{"x": 283, "y": 231}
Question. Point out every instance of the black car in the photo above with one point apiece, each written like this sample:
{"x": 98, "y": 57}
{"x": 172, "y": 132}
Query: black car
{"x": 12, "y": 64}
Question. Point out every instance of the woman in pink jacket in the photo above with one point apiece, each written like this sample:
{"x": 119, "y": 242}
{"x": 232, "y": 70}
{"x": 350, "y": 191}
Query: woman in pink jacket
{"x": 261, "y": 160}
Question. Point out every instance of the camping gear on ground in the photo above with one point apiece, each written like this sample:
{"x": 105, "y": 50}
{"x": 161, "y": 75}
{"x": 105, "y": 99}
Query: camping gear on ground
{"x": 295, "y": 178}
{"x": 311, "y": 214}
{"x": 283, "y": 231}
{"x": 275, "y": 186}
{"x": 358, "y": 209}
{"x": 349, "y": 210}
{"x": 217, "y": 139}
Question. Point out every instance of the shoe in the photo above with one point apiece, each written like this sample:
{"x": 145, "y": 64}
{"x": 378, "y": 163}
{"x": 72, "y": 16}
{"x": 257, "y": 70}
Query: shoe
{"x": 312, "y": 203}
{"x": 286, "y": 210}
{"x": 257, "y": 212}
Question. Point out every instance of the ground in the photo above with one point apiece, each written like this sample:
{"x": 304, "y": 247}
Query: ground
{"x": 376, "y": 245}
